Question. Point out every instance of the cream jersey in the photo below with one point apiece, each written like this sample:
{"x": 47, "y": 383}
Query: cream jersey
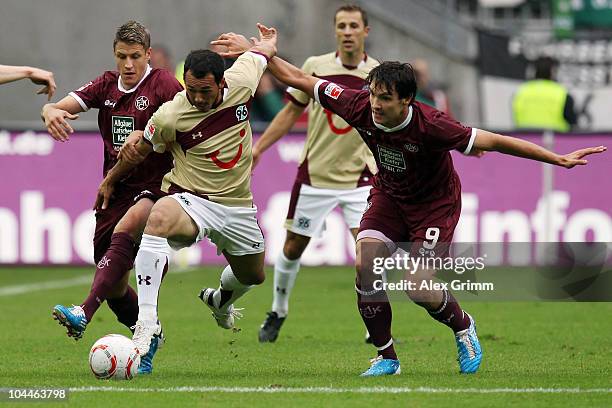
{"x": 334, "y": 155}
{"x": 211, "y": 150}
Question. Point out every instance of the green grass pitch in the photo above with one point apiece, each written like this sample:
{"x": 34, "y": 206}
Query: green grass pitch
{"x": 563, "y": 347}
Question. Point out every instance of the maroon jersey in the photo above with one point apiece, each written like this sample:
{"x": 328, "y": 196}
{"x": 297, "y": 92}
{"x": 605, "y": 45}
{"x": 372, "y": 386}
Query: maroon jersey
{"x": 123, "y": 111}
{"x": 414, "y": 163}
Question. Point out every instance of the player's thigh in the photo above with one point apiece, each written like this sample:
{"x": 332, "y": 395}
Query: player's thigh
{"x": 169, "y": 219}
{"x": 106, "y": 221}
{"x": 308, "y": 208}
{"x": 134, "y": 220}
{"x": 353, "y": 203}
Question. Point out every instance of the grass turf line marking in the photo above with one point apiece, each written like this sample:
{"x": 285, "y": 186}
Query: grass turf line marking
{"x": 59, "y": 284}
{"x": 360, "y": 390}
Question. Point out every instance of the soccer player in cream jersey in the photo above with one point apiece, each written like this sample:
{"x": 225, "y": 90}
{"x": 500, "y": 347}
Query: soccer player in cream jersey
{"x": 416, "y": 195}
{"x": 207, "y": 130}
{"x": 336, "y": 167}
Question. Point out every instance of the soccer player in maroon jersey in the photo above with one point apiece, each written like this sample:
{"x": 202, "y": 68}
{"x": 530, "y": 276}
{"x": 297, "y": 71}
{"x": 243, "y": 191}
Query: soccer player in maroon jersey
{"x": 9, "y": 73}
{"x": 416, "y": 196}
{"x": 125, "y": 100}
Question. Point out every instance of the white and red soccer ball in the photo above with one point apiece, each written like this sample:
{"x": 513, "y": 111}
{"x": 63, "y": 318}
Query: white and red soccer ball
{"x": 114, "y": 356}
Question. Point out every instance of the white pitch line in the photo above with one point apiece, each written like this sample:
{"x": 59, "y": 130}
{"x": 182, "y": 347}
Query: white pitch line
{"x": 38, "y": 286}
{"x": 60, "y": 284}
{"x": 360, "y": 390}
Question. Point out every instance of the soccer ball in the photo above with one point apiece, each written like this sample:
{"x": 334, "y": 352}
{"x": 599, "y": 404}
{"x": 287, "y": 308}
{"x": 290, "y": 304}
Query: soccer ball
{"x": 114, "y": 356}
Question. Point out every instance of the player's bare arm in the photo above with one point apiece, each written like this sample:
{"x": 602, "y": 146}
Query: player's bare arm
{"x": 489, "y": 141}
{"x": 122, "y": 168}
{"x": 55, "y": 114}
{"x": 280, "y": 125}
{"x": 38, "y": 76}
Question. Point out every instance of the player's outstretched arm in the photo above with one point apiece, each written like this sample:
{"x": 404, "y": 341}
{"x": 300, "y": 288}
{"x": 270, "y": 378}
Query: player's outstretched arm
{"x": 134, "y": 151}
{"x": 39, "y": 76}
{"x": 292, "y": 76}
{"x": 55, "y": 114}
{"x": 521, "y": 148}
{"x": 280, "y": 125}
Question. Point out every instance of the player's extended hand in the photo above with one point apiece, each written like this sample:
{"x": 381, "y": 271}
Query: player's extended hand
{"x": 267, "y": 40}
{"x": 55, "y": 121}
{"x": 105, "y": 192}
{"x": 42, "y": 77}
{"x": 576, "y": 158}
{"x": 129, "y": 153}
{"x": 235, "y": 44}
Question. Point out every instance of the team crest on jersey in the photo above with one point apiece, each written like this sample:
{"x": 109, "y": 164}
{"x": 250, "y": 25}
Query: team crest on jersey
{"x": 242, "y": 113}
{"x": 412, "y": 148}
{"x": 122, "y": 126}
{"x": 333, "y": 91}
{"x": 142, "y": 102}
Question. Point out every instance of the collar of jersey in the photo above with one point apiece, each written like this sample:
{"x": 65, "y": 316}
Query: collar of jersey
{"x": 398, "y": 127}
{"x": 361, "y": 63}
{"x": 122, "y": 89}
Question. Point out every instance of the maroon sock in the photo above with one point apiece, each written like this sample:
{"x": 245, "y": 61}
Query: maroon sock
{"x": 375, "y": 311}
{"x": 113, "y": 266}
{"x": 450, "y": 313}
{"x": 125, "y": 308}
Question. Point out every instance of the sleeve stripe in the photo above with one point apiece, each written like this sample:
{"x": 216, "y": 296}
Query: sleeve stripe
{"x": 468, "y": 149}
{"x": 292, "y": 99}
{"x": 262, "y": 57}
{"x": 316, "y": 90}
{"x": 79, "y": 100}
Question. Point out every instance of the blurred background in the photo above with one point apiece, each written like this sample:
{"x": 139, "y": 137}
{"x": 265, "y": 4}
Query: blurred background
{"x": 471, "y": 55}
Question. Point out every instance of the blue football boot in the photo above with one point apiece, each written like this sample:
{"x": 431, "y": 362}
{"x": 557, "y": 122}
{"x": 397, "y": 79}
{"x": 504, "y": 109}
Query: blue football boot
{"x": 381, "y": 366}
{"x": 73, "y": 318}
{"x": 146, "y": 361}
{"x": 468, "y": 349}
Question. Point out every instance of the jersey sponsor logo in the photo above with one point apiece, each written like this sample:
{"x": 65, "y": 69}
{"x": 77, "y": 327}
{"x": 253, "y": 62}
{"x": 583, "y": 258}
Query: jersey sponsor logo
{"x": 242, "y": 113}
{"x": 332, "y": 126}
{"x": 391, "y": 159}
{"x": 411, "y": 147}
{"x": 110, "y": 104}
{"x": 214, "y": 156}
{"x": 149, "y": 131}
{"x": 122, "y": 126}
{"x": 333, "y": 91}
{"x": 141, "y": 103}
{"x": 84, "y": 86}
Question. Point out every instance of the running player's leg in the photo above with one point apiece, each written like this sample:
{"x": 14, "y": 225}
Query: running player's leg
{"x": 166, "y": 220}
{"x": 76, "y": 318}
{"x": 308, "y": 209}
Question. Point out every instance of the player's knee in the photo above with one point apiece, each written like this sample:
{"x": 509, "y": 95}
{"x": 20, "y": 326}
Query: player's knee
{"x": 294, "y": 247}
{"x": 158, "y": 224}
{"x": 256, "y": 278}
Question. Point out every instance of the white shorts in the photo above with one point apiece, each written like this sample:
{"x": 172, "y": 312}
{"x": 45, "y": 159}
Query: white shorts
{"x": 231, "y": 229}
{"x": 310, "y": 206}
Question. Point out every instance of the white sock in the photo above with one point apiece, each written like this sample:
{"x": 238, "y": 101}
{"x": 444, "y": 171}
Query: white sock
{"x": 149, "y": 266}
{"x": 229, "y": 283}
{"x": 285, "y": 272}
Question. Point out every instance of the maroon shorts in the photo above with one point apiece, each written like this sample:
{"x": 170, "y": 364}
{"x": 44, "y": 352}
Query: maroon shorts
{"x": 392, "y": 222}
{"x": 106, "y": 220}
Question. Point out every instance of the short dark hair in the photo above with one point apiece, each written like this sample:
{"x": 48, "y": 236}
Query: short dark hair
{"x": 202, "y": 62}
{"x": 133, "y": 32}
{"x": 398, "y": 76}
{"x": 544, "y": 67}
{"x": 350, "y": 8}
